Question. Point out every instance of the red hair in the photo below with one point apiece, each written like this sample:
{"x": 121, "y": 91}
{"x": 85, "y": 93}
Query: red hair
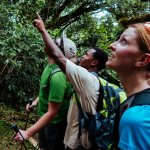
{"x": 143, "y": 35}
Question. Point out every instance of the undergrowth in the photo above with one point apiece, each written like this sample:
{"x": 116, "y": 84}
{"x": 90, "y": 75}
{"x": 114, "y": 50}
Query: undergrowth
{"x": 8, "y": 117}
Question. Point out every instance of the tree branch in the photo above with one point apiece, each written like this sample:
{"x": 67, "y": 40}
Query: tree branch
{"x": 75, "y": 15}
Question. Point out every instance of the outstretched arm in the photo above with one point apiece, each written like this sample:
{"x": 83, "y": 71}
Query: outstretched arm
{"x": 51, "y": 48}
{"x": 53, "y": 109}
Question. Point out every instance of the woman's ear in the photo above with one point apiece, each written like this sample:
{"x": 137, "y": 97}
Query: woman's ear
{"x": 143, "y": 60}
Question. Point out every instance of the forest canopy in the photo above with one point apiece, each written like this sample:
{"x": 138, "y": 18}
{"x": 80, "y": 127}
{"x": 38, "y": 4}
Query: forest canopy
{"x": 88, "y": 23}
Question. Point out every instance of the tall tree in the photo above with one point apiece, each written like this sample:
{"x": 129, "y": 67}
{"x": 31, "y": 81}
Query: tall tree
{"x": 21, "y": 46}
{"x": 62, "y": 13}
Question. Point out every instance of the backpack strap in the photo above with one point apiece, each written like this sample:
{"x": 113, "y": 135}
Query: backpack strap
{"x": 101, "y": 95}
{"x": 55, "y": 69}
{"x": 105, "y": 75}
{"x": 126, "y": 104}
{"x": 82, "y": 116}
{"x": 141, "y": 99}
{"x": 82, "y": 113}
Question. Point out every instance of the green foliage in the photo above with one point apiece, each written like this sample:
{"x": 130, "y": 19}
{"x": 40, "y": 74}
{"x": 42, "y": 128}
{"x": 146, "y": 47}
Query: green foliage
{"x": 126, "y": 8}
{"x": 92, "y": 32}
{"x": 21, "y": 58}
{"x": 21, "y": 47}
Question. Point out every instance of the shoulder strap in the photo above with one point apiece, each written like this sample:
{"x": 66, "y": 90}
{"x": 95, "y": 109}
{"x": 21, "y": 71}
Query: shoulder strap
{"x": 101, "y": 94}
{"x": 105, "y": 75}
{"x": 100, "y": 98}
{"x": 104, "y": 96}
{"x": 141, "y": 99}
{"x": 126, "y": 104}
{"x": 81, "y": 116}
{"x": 56, "y": 69}
{"x": 81, "y": 112}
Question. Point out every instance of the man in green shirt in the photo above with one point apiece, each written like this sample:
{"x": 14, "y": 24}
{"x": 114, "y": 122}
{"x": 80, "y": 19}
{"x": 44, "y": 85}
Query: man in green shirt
{"x": 53, "y": 102}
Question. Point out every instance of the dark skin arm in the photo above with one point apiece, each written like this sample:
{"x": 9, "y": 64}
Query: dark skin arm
{"x": 51, "y": 48}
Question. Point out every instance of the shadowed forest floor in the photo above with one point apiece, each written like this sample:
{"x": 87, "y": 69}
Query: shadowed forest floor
{"x": 9, "y": 116}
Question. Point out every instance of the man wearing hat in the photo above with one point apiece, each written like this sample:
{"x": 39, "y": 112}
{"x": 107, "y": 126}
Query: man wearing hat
{"x": 53, "y": 102}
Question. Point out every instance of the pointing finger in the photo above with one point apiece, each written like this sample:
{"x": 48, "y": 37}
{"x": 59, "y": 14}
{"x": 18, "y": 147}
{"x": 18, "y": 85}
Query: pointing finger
{"x": 39, "y": 17}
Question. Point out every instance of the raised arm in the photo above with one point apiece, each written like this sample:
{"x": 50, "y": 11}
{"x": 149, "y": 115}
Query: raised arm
{"x": 51, "y": 48}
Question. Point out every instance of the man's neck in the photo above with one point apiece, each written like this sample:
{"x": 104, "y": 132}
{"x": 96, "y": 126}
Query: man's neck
{"x": 92, "y": 70}
{"x": 51, "y": 61}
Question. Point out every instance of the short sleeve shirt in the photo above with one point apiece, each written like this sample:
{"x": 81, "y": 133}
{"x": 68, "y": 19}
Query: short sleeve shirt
{"x": 54, "y": 88}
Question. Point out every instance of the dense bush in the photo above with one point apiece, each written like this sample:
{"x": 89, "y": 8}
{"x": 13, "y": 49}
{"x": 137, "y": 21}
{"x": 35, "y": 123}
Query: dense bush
{"x": 21, "y": 47}
{"x": 21, "y": 57}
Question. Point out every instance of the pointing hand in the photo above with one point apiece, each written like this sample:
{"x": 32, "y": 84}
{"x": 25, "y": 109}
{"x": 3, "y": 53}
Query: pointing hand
{"x": 38, "y": 23}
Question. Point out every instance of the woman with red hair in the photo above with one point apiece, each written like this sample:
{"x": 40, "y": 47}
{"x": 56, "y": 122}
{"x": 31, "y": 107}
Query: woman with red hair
{"x": 130, "y": 58}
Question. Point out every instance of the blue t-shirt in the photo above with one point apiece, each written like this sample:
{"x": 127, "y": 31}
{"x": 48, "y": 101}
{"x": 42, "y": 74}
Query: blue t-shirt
{"x": 134, "y": 128}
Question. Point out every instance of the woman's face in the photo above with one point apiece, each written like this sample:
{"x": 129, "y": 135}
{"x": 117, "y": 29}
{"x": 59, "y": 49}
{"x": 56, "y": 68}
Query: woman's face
{"x": 125, "y": 52}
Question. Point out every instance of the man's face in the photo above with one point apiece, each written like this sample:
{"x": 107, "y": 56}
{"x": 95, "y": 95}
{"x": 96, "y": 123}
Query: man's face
{"x": 87, "y": 59}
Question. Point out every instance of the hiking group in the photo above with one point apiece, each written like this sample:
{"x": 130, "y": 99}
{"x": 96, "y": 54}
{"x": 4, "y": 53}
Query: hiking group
{"x": 79, "y": 109}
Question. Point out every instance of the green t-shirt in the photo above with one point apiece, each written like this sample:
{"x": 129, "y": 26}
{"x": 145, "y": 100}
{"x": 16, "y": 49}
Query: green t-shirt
{"x": 54, "y": 88}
